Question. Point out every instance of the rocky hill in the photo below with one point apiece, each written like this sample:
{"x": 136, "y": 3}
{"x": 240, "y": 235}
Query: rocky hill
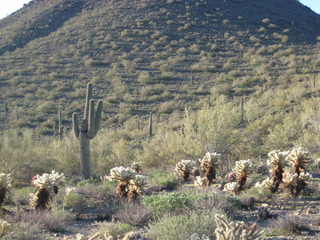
{"x": 149, "y": 55}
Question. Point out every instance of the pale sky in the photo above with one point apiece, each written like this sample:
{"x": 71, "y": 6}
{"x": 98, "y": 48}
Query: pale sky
{"x": 9, "y": 6}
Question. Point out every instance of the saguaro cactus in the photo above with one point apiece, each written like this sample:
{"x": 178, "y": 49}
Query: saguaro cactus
{"x": 6, "y": 109}
{"x": 150, "y": 126}
{"x": 60, "y": 127}
{"x": 87, "y": 130}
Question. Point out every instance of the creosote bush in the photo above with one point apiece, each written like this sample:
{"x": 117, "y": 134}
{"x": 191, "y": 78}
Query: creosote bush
{"x": 112, "y": 229}
{"x": 291, "y": 224}
{"x": 167, "y": 203}
{"x": 181, "y": 227}
{"x": 134, "y": 214}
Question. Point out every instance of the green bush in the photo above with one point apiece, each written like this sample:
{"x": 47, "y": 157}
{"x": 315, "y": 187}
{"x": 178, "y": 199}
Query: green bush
{"x": 73, "y": 200}
{"x": 167, "y": 203}
{"x": 24, "y": 231}
{"x": 113, "y": 229}
{"x": 181, "y": 227}
{"x": 223, "y": 202}
{"x": 163, "y": 179}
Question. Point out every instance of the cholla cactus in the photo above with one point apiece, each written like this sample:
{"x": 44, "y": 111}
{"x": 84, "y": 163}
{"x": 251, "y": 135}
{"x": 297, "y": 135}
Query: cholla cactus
{"x": 136, "y": 166}
{"x": 123, "y": 176}
{"x": 184, "y": 168}
{"x": 290, "y": 178}
{"x": 47, "y": 185}
{"x": 296, "y": 183}
{"x": 230, "y": 230}
{"x": 70, "y": 190}
{"x": 210, "y": 162}
{"x": 278, "y": 160}
{"x": 136, "y": 186}
{"x": 232, "y": 188}
{"x": 299, "y": 157}
{"x": 266, "y": 184}
{"x": 264, "y": 211}
{"x": 304, "y": 177}
{"x": 4, "y": 226}
{"x": 5, "y": 184}
{"x": 290, "y": 181}
{"x": 243, "y": 169}
{"x": 201, "y": 182}
{"x": 226, "y": 230}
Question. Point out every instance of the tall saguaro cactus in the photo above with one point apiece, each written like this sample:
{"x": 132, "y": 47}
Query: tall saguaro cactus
{"x": 150, "y": 126}
{"x": 87, "y": 130}
{"x": 60, "y": 127}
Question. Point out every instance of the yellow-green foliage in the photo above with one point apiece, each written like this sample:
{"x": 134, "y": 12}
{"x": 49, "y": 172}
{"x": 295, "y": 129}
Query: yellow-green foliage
{"x": 217, "y": 126}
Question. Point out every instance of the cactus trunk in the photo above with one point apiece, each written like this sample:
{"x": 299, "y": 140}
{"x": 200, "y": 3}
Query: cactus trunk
{"x": 210, "y": 174}
{"x": 150, "y": 126}
{"x": 84, "y": 154}
{"x": 277, "y": 178}
{"x": 3, "y": 192}
{"x": 87, "y": 131}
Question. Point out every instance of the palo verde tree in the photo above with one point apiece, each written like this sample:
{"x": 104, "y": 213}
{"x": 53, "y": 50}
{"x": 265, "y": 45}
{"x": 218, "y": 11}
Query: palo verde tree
{"x": 87, "y": 130}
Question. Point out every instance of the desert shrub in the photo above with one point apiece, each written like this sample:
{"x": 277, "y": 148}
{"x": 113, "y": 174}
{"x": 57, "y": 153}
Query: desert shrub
{"x": 166, "y": 203}
{"x": 54, "y": 220}
{"x": 24, "y": 231}
{"x": 285, "y": 134}
{"x": 183, "y": 226}
{"x": 162, "y": 150}
{"x": 133, "y": 214}
{"x": 144, "y": 77}
{"x": 260, "y": 195}
{"x": 21, "y": 196}
{"x": 223, "y": 202}
{"x": 67, "y": 151}
{"x": 97, "y": 191}
{"x": 73, "y": 200}
{"x": 290, "y": 224}
{"x": 113, "y": 229}
{"x": 203, "y": 66}
{"x": 215, "y": 128}
{"x": 91, "y": 63}
{"x": 163, "y": 179}
{"x": 152, "y": 90}
{"x": 21, "y": 154}
{"x": 168, "y": 107}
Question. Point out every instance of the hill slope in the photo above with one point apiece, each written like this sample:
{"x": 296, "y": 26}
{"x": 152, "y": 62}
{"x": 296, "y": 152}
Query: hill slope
{"x": 143, "y": 56}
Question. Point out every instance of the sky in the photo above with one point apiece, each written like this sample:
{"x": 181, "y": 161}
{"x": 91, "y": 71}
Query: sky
{"x": 9, "y": 6}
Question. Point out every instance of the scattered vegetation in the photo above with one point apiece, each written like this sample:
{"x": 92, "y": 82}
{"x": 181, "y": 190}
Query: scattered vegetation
{"x": 218, "y": 85}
